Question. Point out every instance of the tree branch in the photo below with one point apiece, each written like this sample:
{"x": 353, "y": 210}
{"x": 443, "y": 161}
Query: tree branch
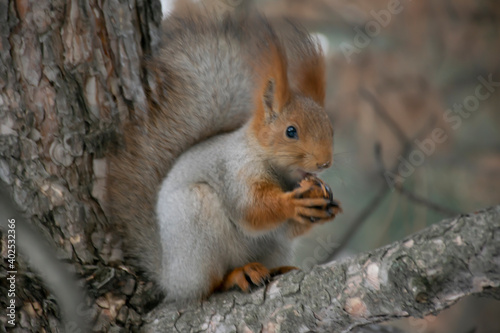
{"x": 422, "y": 274}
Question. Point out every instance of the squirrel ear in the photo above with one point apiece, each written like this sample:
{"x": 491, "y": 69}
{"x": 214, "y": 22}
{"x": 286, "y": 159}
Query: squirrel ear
{"x": 276, "y": 92}
{"x": 311, "y": 77}
{"x": 271, "y": 107}
{"x": 272, "y": 91}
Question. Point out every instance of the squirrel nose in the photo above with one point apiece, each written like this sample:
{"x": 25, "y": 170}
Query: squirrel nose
{"x": 324, "y": 165}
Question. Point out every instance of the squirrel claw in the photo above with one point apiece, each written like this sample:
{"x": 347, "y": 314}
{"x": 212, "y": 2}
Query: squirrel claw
{"x": 312, "y": 219}
{"x": 334, "y": 207}
{"x": 334, "y": 203}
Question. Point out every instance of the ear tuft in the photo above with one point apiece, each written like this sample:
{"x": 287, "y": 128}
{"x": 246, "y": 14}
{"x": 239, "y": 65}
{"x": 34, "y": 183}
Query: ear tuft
{"x": 268, "y": 97}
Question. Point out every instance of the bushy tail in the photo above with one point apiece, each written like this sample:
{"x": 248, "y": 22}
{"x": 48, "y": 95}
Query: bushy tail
{"x": 201, "y": 85}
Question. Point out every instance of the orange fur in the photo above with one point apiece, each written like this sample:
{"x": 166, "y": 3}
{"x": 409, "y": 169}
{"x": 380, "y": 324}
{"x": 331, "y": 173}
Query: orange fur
{"x": 269, "y": 206}
{"x": 311, "y": 77}
{"x": 252, "y": 274}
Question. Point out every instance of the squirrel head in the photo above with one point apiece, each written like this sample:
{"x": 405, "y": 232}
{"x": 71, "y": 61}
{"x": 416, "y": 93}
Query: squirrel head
{"x": 291, "y": 125}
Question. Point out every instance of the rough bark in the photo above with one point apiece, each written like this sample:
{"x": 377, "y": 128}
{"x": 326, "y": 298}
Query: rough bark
{"x": 70, "y": 78}
{"x": 419, "y": 275}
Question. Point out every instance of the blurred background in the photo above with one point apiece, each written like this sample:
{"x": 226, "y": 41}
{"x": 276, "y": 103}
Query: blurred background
{"x": 414, "y": 96}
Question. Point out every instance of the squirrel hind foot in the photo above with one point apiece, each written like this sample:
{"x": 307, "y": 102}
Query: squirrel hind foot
{"x": 246, "y": 277}
{"x": 250, "y": 276}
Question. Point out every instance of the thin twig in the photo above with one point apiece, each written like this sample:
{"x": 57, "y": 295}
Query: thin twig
{"x": 408, "y": 145}
{"x": 423, "y": 201}
{"x": 382, "y": 113}
{"x": 409, "y": 194}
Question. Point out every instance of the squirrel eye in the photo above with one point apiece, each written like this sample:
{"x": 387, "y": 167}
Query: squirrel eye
{"x": 291, "y": 132}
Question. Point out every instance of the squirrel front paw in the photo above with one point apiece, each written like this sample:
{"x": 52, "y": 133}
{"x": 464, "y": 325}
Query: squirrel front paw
{"x": 313, "y": 201}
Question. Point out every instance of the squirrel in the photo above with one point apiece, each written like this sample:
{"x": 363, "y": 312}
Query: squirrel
{"x": 211, "y": 189}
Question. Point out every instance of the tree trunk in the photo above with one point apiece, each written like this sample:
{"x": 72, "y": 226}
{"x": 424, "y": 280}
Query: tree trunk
{"x": 70, "y": 79}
